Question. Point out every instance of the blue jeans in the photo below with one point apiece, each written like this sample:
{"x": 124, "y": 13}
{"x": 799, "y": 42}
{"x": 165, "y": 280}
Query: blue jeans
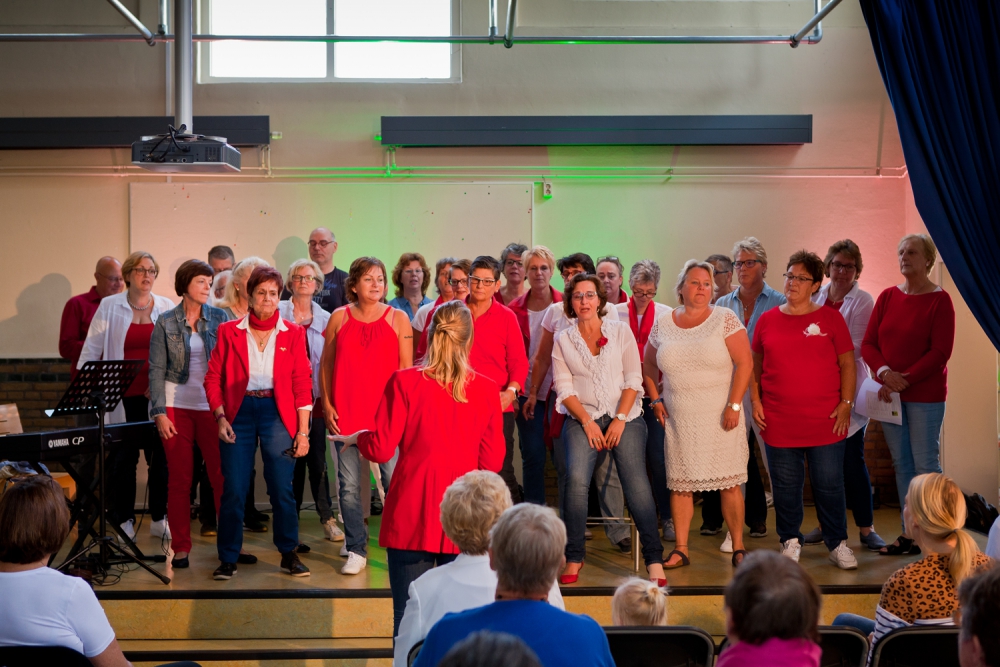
{"x": 404, "y": 568}
{"x": 257, "y": 420}
{"x": 630, "y": 457}
{"x": 857, "y": 483}
{"x": 656, "y": 459}
{"x": 915, "y": 445}
{"x": 826, "y": 473}
{"x": 353, "y": 482}
{"x": 866, "y": 625}
{"x": 531, "y": 434}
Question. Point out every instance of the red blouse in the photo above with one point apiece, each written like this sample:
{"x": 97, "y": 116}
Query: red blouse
{"x": 137, "y": 347}
{"x": 367, "y": 356}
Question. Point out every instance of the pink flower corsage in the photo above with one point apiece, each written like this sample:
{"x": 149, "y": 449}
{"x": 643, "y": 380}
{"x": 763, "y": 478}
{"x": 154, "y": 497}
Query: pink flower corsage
{"x": 602, "y": 341}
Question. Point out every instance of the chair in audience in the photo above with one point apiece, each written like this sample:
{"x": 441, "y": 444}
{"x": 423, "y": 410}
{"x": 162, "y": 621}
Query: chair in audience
{"x": 411, "y": 657}
{"x": 33, "y": 656}
{"x": 916, "y": 646}
{"x": 672, "y": 646}
{"x": 842, "y": 646}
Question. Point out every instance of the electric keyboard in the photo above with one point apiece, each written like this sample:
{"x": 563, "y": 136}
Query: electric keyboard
{"x": 60, "y": 445}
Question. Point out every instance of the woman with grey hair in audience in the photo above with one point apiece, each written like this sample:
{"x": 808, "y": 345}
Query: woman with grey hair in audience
{"x": 526, "y": 550}
{"x": 470, "y": 508}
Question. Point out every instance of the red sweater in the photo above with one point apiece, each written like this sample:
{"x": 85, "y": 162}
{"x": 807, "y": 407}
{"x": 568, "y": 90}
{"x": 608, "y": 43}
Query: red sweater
{"x": 76, "y": 317}
{"x": 913, "y": 334}
{"x": 439, "y": 440}
{"x": 498, "y": 348}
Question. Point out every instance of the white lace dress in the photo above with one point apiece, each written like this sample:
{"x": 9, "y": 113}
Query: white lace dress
{"x": 697, "y": 376}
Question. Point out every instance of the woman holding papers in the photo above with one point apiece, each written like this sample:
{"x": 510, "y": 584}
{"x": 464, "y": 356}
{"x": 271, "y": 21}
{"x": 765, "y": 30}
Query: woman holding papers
{"x": 366, "y": 341}
{"x": 907, "y": 345}
{"x": 446, "y": 421}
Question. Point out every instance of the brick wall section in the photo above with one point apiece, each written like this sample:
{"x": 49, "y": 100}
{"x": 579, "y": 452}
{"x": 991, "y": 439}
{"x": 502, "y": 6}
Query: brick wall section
{"x": 35, "y": 385}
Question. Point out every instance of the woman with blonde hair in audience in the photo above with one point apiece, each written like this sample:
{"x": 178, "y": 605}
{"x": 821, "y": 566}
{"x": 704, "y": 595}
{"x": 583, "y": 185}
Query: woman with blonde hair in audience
{"x": 639, "y": 602}
{"x": 121, "y": 329}
{"x": 469, "y": 509}
{"x": 411, "y": 278}
{"x": 926, "y": 592}
{"x": 235, "y": 300}
{"x": 909, "y": 340}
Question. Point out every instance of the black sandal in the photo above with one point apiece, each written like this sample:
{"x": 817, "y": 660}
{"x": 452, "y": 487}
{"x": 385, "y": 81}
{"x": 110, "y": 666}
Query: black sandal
{"x": 685, "y": 561}
{"x": 905, "y": 547}
{"x": 738, "y": 552}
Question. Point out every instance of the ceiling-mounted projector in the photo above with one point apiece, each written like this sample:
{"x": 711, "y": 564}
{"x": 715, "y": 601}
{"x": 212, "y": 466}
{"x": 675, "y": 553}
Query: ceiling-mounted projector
{"x": 176, "y": 152}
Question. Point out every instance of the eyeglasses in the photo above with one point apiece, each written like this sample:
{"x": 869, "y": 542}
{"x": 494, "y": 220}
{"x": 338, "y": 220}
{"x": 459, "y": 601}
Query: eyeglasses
{"x": 319, "y": 244}
{"x": 609, "y": 258}
{"x": 485, "y": 282}
{"x": 112, "y": 279}
{"x": 645, "y": 295}
{"x": 413, "y": 272}
{"x": 842, "y": 267}
{"x": 797, "y": 279}
{"x": 301, "y": 279}
{"x": 749, "y": 263}
{"x": 139, "y": 271}
{"x": 457, "y": 283}
{"x": 514, "y": 262}
{"x": 584, "y": 296}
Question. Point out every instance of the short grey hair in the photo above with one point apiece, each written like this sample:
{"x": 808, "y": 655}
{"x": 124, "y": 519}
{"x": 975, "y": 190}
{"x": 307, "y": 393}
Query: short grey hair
{"x": 471, "y": 506}
{"x": 682, "y": 276}
{"x": 318, "y": 276}
{"x": 527, "y": 546}
{"x": 644, "y": 271}
{"x": 333, "y": 237}
{"x": 751, "y": 244}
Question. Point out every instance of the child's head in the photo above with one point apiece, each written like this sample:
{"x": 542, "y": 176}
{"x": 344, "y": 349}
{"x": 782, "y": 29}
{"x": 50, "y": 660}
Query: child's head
{"x": 771, "y": 596}
{"x": 639, "y": 602}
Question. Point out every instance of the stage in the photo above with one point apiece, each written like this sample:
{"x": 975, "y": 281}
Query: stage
{"x": 351, "y": 616}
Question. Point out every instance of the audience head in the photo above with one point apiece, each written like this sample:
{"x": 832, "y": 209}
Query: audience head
{"x": 723, "y": 266}
{"x": 513, "y": 263}
{"x": 458, "y": 278}
{"x": 108, "y": 276}
{"x": 584, "y": 297}
{"x": 470, "y": 508}
{"x": 193, "y": 280}
{"x": 366, "y": 281}
{"x": 219, "y": 283}
{"x": 526, "y": 549}
{"x": 221, "y": 258}
{"x": 610, "y": 272}
{"x": 934, "y": 513}
{"x": 411, "y": 271}
{"x": 750, "y": 262}
{"x": 639, "y": 602}
{"x": 803, "y": 276}
{"x": 843, "y": 261}
{"x": 695, "y": 284}
{"x": 578, "y": 262}
{"x": 539, "y": 263}
{"x": 442, "y": 273}
{"x": 264, "y": 288}
{"x": 490, "y": 649}
{"x": 236, "y": 287}
{"x": 771, "y": 596}
{"x": 483, "y": 278}
{"x": 979, "y": 611}
{"x": 34, "y": 520}
{"x": 449, "y": 339}
{"x": 305, "y": 277}
{"x": 917, "y": 254}
{"x": 139, "y": 271}
{"x": 322, "y": 245}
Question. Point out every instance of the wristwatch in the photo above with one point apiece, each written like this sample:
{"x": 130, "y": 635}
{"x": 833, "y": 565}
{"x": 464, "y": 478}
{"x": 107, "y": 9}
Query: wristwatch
{"x": 735, "y": 407}
{"x": 620, "y": 417}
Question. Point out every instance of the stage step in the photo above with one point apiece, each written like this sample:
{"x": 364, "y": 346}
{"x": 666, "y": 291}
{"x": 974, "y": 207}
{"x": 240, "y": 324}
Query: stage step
{"x": 264, "y": 652}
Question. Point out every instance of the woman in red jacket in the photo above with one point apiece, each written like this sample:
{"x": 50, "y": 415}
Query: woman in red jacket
{"x": 446, "y": 421}
{"x": 259, "y": 387}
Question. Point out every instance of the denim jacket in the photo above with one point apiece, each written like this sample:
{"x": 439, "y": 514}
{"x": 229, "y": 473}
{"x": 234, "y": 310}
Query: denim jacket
{"x": 170, "y": 350}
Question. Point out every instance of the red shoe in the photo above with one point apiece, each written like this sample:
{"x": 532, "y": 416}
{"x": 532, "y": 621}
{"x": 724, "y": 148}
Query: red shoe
{"x": 566, "y": 579}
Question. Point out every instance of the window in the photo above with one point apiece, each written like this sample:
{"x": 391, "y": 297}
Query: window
{"x": 222, "y": 62}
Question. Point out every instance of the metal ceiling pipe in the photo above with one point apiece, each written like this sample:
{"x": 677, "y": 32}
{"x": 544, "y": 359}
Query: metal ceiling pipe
{"x": 508, "y": 35}
{"x": 123, "y": 10}
{"x": 183, "y": 65}
{"x": 493, "y": 20}
{"x": 814, "y": 22}
{"x": 164, "y": 13}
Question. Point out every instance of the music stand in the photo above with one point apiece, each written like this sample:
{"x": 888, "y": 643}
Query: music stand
{"x": 99, "y": 388}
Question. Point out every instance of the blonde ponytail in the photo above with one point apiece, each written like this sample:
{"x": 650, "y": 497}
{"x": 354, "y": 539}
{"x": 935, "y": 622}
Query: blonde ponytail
{"x": 449, "y": 339}
{"x": 937, "y": 506}
{"x": 639, "y": 602}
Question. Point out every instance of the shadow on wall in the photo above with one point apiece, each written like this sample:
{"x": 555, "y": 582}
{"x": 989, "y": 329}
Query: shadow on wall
{"x": 35, "y": 328}
{"x": 289, "y": 250}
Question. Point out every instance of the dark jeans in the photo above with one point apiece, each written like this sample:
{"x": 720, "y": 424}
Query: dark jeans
{"x": 319, "y": 480}
{"x": 257, "y": 419}
{"x": 206, "y": 497}
{"x": 866, "y": 625}
{"x": 122, "y": 464}
{"x": 507, "y": 472}
{"x": 531, "y": 434}
{"x": 826, "y": 474}
{"x": 857, "y": 483}
{"x": 630, "y": 458}
{"x": 656, "y": 460}
{"x": 754, "y": 500}
{"x": 404, "y": 568}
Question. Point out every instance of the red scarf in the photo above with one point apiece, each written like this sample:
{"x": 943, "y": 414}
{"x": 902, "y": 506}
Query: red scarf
{"x": 422, "y": 343}
{"x": 263, "y": 325}
{"x": 641, "y": 332}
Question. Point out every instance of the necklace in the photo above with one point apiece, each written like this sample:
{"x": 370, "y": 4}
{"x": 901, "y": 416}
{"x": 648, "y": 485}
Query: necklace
{"x": 262, "y": 343}
{"x": 149, "y": 302}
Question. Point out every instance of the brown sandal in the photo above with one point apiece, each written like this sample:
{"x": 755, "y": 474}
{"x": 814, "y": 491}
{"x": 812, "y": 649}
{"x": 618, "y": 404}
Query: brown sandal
{"x": 685, "y": 561}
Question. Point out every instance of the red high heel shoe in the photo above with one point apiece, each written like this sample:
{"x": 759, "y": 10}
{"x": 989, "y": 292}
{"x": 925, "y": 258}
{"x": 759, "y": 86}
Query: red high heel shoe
{"x": 566, "y": 579}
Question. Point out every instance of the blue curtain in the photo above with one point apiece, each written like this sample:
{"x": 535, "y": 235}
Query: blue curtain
{"x": 940, "y": 61}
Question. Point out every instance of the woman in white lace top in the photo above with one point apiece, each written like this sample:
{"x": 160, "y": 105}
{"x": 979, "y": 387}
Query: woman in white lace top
{"x": 597, "y": 376}
{"x": 704, "y": 355}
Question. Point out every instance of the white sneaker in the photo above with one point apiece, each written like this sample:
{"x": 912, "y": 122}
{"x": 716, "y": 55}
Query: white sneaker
{"x": 727, "y": 544}
{"x": 160, "y": 528}
{"x": 792, "y": 549}
{"x": 343, "y": 551}
{"x": 333, "y": 533}
{"x": 355, "y": 564}
{"x": 843, "y": 557}
{"x": 129, "y": 529}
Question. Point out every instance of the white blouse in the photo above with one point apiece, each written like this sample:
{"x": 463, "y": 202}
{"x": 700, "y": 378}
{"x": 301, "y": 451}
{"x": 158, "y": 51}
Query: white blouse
{"x": 261, "y": 369}
{"x": 598, "y": 382}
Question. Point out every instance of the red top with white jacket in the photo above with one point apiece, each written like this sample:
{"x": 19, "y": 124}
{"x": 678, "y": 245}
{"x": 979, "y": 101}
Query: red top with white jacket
{"x": 439, "y": 440}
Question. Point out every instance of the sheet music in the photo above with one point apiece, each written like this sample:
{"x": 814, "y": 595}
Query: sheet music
{"x": 869, "y": 405}
{"x": 347, "y": 439}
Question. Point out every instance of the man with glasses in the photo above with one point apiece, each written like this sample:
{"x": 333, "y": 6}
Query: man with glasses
{"x": 79, "y": 310}
{"x": 497, "y": 352}
{"x": 322, "y": 246}
{"x": 610, "y": 272}
{"x": 512, "y": 265}
{"x": 723, "y": 275}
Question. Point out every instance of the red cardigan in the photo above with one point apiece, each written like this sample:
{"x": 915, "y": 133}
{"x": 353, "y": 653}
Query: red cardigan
{"x": 229, "y": 372}
{"x": 439, "y": 440}
{"x": 520, "y": 308}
